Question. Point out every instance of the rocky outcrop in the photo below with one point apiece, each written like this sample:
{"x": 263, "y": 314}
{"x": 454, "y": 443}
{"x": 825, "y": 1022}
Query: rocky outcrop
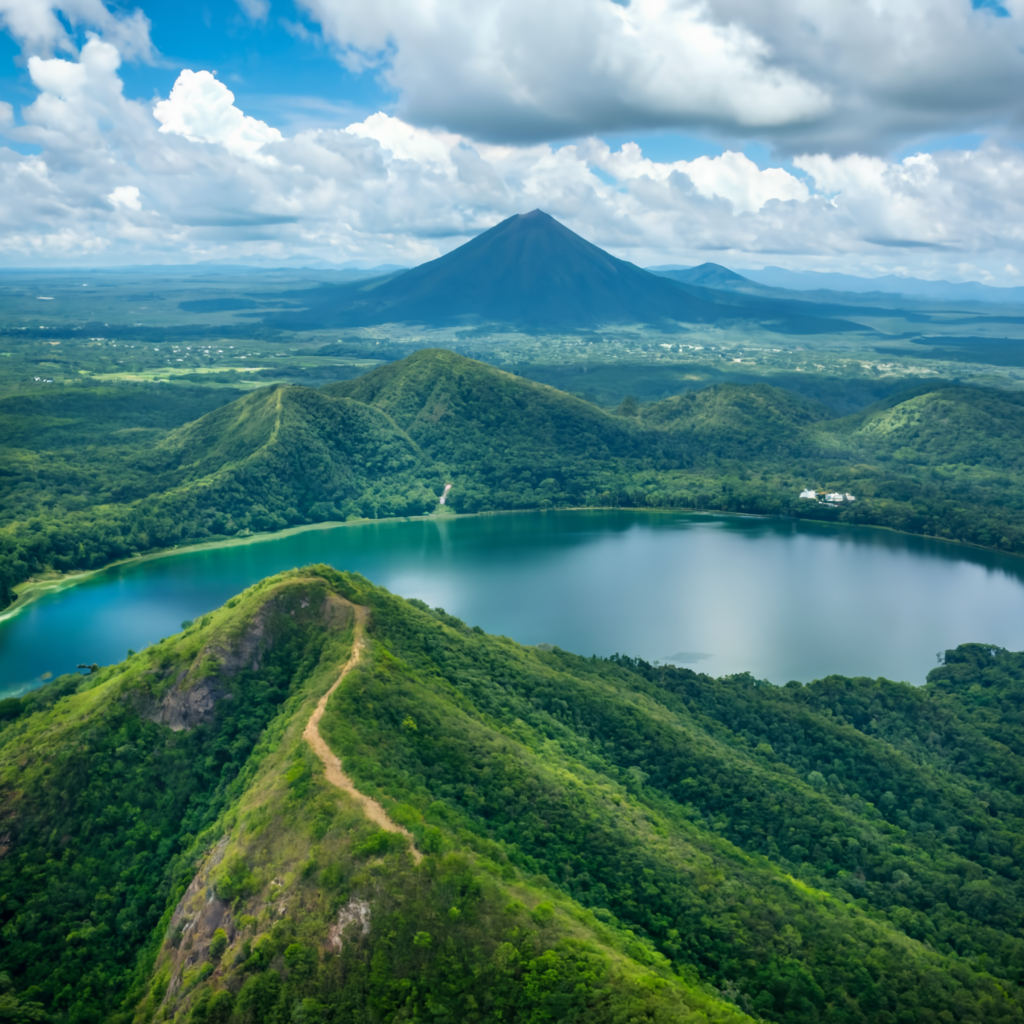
{"x": 183, "y": 708}
{"x": 197, "y": 916}
{"x": 192, "y": 699}
{"x": 355, "y": 912}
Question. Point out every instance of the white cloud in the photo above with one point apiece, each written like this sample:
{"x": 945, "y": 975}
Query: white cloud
{"x": 203, "y": 110}
{"x": 406, "y": 142}
{"x": 209, "y": 181}
{"x": 924, "y": 200}
{"x": 80, "y": 104}
{"x": 805, "y": 74}
{"x": 38, "y": 29}
{"x": 126, "y": 196}
{"x": 731, "y": 176}
{"x": 529, "y": 69}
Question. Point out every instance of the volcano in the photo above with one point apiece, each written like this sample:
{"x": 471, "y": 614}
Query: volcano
{"x": 529, "y": 271}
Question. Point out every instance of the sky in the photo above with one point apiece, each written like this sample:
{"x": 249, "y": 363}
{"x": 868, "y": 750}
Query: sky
{"x": 863, "y": 136}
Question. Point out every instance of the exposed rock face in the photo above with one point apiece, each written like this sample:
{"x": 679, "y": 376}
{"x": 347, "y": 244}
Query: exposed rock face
{"x": 193, "y": 698}
{"x": 185, "y": 708}
{"x": 198, "y": 915}
{"x": 354, "y": 912}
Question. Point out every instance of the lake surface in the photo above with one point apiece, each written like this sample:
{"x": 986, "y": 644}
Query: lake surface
{"x": 780, "y": 598}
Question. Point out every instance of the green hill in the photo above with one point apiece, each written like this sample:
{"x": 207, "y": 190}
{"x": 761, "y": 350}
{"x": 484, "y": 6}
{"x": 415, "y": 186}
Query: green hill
{"x": 460, "y": 410}
{"x": 944, "y": 461}
{"x": 286, "y": 449}
{"x": 944, "y": 425}
{"x": 505, "y": 442}
{"x": 511, "y": 834}
{"x": 738, "y": 421}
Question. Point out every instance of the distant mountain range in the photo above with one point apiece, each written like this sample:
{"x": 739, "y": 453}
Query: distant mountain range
{"x": 324, "y": 269}
{"x": 714, "y": 276}
{"x": 531, "y": 272}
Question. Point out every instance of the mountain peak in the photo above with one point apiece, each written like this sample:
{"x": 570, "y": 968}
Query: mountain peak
{"x": 709, "y": 275}
{"x": 529, "y": 270}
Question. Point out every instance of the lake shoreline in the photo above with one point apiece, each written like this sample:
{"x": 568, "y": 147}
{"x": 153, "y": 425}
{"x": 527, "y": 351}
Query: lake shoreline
{"x": 32, "y": 590}
{"x": 778, "y": 596}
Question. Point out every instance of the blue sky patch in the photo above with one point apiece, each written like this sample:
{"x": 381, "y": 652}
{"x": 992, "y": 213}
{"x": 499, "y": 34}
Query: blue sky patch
{"x": 992, "y": 6}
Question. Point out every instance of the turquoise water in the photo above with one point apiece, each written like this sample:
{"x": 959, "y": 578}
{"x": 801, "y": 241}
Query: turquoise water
{"x": 779, "y": 598}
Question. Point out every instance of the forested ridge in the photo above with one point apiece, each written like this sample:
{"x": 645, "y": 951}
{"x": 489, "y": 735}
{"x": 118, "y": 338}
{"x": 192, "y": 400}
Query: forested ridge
{"x": 99, "y": 474}
{"x": 603, "y": 839}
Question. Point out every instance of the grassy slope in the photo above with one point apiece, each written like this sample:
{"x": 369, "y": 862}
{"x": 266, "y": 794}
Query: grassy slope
{"x": 941, "y": 426}
{"x": 101, "y": 804}
{"x": 604, "y": 840}
{"x": 612, "y": 788}
{"x": 66, "y": 450}
{"x": 291, "y": 446}
{"x": 947, "y": 462}
{"x": 57, "y": 419}
{"x": 609, "y": 383}
{"x": 451, "y": 406}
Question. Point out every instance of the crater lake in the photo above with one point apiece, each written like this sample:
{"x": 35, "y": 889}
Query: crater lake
{"x": 780, "y": 598}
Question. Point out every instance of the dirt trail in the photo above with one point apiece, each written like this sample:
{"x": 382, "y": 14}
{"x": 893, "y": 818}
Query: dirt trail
{"x": 332, "y": 766}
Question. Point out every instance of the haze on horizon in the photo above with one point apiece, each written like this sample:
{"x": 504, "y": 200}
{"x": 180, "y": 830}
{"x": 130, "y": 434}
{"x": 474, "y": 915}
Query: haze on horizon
{"x": 861, "y": 138}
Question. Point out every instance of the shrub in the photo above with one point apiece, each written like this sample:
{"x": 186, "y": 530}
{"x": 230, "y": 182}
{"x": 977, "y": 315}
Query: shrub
{"x": 300, "y": 960}
{"x": 218, "y": 944}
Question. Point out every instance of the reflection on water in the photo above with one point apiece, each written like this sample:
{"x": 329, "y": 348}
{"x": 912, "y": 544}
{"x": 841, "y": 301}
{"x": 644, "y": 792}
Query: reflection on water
{"x": 780, "y": 598}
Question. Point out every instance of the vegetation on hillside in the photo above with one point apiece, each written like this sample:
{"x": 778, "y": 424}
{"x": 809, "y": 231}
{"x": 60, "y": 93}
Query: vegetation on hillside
{"x": 602, "y": 839}
{"x": 102, "y": 801}
{"x": 78, "y": 490}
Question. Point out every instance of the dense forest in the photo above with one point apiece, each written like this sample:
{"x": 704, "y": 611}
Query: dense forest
{"x": 96, "y": 474}
{"x": 601, "y": 839}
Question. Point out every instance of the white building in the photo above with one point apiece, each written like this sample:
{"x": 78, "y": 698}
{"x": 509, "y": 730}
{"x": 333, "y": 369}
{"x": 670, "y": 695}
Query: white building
{"x": 809, "y": 494}
{"x": 835, "y": 496}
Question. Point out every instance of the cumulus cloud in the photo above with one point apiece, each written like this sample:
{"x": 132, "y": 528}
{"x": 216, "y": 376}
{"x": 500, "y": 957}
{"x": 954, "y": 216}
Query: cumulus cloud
{"x": 203, "y": 110}
{"x": 407, "y": 142}
{"x": 731, "y": 176}
{"x": 948, "y": 200}
{"x": 805, "y": 74}
{"x": 192, "y": 177}
{"x": 80, "y": 103}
